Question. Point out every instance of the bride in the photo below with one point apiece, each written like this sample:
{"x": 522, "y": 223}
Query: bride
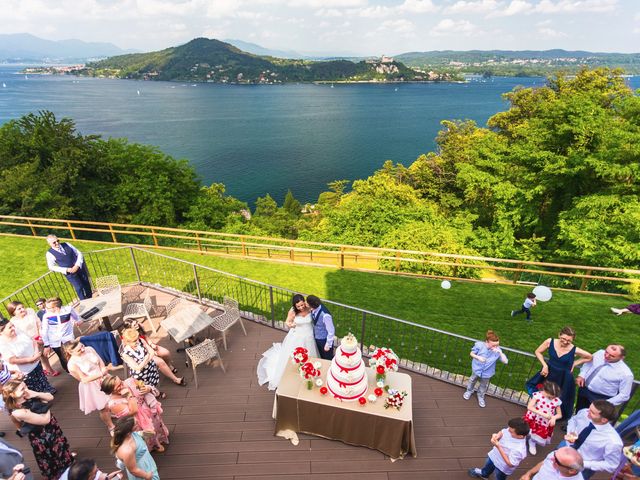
{"x": 273, "y": 361}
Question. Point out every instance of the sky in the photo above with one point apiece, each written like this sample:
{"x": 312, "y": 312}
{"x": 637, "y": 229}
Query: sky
{"x": 353, "y": 27}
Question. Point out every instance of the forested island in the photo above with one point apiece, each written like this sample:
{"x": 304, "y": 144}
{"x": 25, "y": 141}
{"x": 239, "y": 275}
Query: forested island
{"x": 208, "y": 60}
{"x": 556, "y": 177}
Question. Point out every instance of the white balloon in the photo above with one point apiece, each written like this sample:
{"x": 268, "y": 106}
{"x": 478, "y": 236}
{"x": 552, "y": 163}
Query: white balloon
{"x": 446, "y": 284}
{"x": 543, "y": 293}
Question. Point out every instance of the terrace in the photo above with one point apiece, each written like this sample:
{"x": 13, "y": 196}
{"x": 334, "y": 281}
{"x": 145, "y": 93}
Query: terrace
{"x": 224, "y": 429}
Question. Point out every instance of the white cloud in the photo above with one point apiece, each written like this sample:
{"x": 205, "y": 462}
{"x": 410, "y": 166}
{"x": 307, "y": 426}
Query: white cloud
{"x": 327, "y": 3}
{"x": 453, "y": 27}
{"x": 472, "y": 7}
{"x": 417, "y": 6}
{"x": 516, "y": 7}
{"x": 576, "y": 6}
{"x": 401, "y": 26}
{"x": 551, "y": 33}
{"x": 329, "y": 12}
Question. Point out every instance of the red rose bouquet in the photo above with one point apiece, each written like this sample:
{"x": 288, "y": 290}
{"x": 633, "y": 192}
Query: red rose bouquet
{"x": 383, "y": 360}
{"x": 309, "y": 373}
{"x": 300, "y": 355}
{"x": 395, "y": 399}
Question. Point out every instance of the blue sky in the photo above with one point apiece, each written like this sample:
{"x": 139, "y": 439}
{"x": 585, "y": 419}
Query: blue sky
{"x": 363, "y": 27}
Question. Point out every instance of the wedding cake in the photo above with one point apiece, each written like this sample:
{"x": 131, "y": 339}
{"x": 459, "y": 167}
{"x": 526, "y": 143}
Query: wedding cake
{"x": 347, "y": 377}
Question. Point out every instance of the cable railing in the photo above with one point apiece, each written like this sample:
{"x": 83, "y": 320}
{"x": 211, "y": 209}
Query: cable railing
{"x": 584, "y": 278}
{"x": 422, "y": 349}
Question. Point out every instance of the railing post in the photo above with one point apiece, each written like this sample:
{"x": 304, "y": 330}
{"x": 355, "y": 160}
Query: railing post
{"x": 585, "y": 281}
{"x": 273, "y": 308}
{"x": 153, "y": 235}
{"x": 73, "y": 235}
{"x": 195, "y": 277}
{"x": 135, "y": 264}
{"x": 291, "y": 253}
{"x": 113, "y": 234}
{"x": 516, "y": 276}
{"x": 33, "y": 230}
{"x": 199, "y": 243}
{"x": 362, "y": 329}
{"x": 341, "y": 257}
{"x": 397, "y": 261}
{"x": 244, "y": 249}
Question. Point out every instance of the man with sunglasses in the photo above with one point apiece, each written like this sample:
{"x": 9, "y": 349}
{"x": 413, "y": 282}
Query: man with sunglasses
{"x": 563, "y": 464}
{"x": 66, "y": 259}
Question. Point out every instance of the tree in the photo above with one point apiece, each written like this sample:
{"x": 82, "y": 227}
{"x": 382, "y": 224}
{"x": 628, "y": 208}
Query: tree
{"x": 291, "y": 205}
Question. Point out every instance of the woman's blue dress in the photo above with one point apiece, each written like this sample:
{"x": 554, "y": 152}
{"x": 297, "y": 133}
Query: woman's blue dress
{"x": 560, "y": 373}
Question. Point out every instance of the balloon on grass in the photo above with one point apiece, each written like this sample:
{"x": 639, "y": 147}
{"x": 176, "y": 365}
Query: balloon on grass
{"x": 543, "y": 293}
{"x": 446, "y": 284}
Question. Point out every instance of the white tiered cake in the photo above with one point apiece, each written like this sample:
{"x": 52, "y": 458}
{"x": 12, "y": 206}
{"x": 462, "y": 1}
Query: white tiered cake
{"x": 347, "y": 378}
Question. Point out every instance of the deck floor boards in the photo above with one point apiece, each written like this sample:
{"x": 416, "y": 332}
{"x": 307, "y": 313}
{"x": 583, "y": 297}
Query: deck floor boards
{"x": 224, "y": 429}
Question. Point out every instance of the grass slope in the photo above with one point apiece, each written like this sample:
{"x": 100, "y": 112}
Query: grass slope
{"x": 467, "y": 308}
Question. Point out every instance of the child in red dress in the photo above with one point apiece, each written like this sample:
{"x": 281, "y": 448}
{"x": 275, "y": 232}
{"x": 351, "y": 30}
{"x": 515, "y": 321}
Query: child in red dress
{"x": 543, "y": 411}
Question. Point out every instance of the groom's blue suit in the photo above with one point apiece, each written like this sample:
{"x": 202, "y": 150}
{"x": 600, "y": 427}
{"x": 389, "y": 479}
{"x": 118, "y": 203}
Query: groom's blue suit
{"x": 323, "y": 331}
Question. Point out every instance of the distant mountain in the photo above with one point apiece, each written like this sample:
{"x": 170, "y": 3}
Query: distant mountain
{"x": 24, "y": 47}
{"x": 207, "y": 60}
{"x": 550, "y": 57}
{"x": 259, "y": 50}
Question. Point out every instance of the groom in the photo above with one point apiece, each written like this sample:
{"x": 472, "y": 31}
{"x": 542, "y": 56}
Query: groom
{"x": 323, "y": 329}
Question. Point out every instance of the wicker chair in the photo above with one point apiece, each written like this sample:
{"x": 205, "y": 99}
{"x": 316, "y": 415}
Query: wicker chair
{"x": 230, "y": 317}
{"x": 202, "y": 353}
{"x": 140, "y": 309}
{"x": 107, "y": 284}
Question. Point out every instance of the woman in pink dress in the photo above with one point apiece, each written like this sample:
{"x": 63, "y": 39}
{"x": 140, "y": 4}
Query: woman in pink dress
{"x": 86, "y": 366}
{"x": 133, "y": 398}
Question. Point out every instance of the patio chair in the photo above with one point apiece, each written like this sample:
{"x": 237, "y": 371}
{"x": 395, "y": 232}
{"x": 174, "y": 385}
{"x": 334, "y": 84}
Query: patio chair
{"x": 230, "y": 317}
{"x": 172, "y": 305}
{"x": 141, "y": 309}
{"x": 107, "y": 284}
{"x": 202, "y": 353}
{"x": 133, "y": 293}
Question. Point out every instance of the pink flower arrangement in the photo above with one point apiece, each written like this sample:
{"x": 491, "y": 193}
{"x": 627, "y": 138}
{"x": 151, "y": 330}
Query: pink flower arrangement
{"x": 395, "y": 399}
{"x": 300, "y": 355}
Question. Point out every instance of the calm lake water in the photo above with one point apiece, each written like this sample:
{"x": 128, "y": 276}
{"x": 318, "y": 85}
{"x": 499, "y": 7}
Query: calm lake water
{"x": 263, "y": 139}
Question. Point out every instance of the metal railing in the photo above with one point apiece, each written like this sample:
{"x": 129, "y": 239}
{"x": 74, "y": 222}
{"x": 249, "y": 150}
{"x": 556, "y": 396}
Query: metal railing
{"x": 590, "y": 279}
{"x": 423, "y": 349}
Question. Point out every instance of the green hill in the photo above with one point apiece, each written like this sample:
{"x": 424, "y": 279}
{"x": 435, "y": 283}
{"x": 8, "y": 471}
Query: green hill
{"x": 206, "y": 60}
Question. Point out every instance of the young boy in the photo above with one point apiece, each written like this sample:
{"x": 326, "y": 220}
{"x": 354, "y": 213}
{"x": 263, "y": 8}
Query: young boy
{"x": 509, "y": 449}
{"x": 528, "y": 304}
{"x": 483, "y": 366}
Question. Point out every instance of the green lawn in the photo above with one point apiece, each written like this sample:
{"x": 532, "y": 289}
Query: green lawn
{"x": 467, "y": 308}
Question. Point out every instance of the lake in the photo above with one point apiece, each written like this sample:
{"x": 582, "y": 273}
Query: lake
{"x": 263, "y": 139}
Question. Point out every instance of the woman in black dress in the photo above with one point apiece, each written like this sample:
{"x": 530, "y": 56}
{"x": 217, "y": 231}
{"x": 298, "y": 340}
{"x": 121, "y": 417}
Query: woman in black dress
{"x": 50, "y": 446}
{"x": 559, "y": 367}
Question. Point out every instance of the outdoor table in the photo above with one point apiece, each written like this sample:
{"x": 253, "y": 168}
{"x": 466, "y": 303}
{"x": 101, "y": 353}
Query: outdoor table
{"x": 186, "y": 322}
{"x": 298, "y": 409}
{"x": 107, "y": 304}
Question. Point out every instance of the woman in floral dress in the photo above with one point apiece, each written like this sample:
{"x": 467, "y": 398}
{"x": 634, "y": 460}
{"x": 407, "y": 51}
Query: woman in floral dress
{"x": 50, "y": 446}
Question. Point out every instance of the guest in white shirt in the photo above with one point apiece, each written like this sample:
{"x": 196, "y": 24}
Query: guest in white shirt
{"x": 57, "y": 328}
{"x": 605, "y": 377}
{"x": 590, "y": 433}
{"x": 509, "y": 449}
{"x": 66, "y": 259}
{"x": 562, "y": 464}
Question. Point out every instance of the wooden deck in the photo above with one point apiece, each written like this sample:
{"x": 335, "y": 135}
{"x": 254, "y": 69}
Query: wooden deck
{"x": 224, "y": 429}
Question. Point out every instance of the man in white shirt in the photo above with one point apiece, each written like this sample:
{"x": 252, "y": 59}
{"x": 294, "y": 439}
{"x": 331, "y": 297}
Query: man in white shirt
{"x": 605, "y": 377}
{"x": 562, "y": 464}
{"x": 66, "y": 259}
{"x": 590, "y": 433}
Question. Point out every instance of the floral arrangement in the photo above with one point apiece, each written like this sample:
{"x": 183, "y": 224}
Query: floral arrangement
{"x": 395, "y": 399}
{"x": 362, "y": 401}
{"x": 300, "y": 355}
{"x": 383, "y": 360}
{"x": 324, "y": 390}
{"x": 308, "y": 371}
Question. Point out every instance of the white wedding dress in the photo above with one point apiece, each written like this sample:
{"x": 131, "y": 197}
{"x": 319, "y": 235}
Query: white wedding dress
{"x": 273, "y": 361}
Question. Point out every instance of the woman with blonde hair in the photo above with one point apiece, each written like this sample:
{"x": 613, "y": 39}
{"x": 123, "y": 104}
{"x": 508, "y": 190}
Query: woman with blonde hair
{"x": 131, "y": 398}
{"x": 139, "y": 357}
{"x": 50, "y": 446}
{"x": 26, "y": 320}
{"x": 132, "y": 452}
{"x": 86, "y": 366}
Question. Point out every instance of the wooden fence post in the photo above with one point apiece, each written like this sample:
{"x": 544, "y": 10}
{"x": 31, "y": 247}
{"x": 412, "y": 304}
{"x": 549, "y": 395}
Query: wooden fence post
{"x": 585, "y": 281}
{"x": 73, "y": 235}
{"x": 113, "y": 234}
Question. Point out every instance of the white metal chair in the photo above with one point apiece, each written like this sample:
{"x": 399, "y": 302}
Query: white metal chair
{"x": 133, "y": 294}
{"x": 230, "y": 317}
{"x": 140, "y": 309}
{"x": 107, "y": 284}
{"x": 202, "y": 353}
{"x": 173, "y": 304}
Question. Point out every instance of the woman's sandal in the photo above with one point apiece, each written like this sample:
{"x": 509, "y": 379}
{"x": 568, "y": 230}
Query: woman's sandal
{"x": 174, "y": 370}
{"x": 182, "y": 382}
{"x": 162, "y": 395}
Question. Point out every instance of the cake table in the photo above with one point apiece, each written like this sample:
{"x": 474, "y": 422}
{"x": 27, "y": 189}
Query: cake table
{"x": 297, "y": 409}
